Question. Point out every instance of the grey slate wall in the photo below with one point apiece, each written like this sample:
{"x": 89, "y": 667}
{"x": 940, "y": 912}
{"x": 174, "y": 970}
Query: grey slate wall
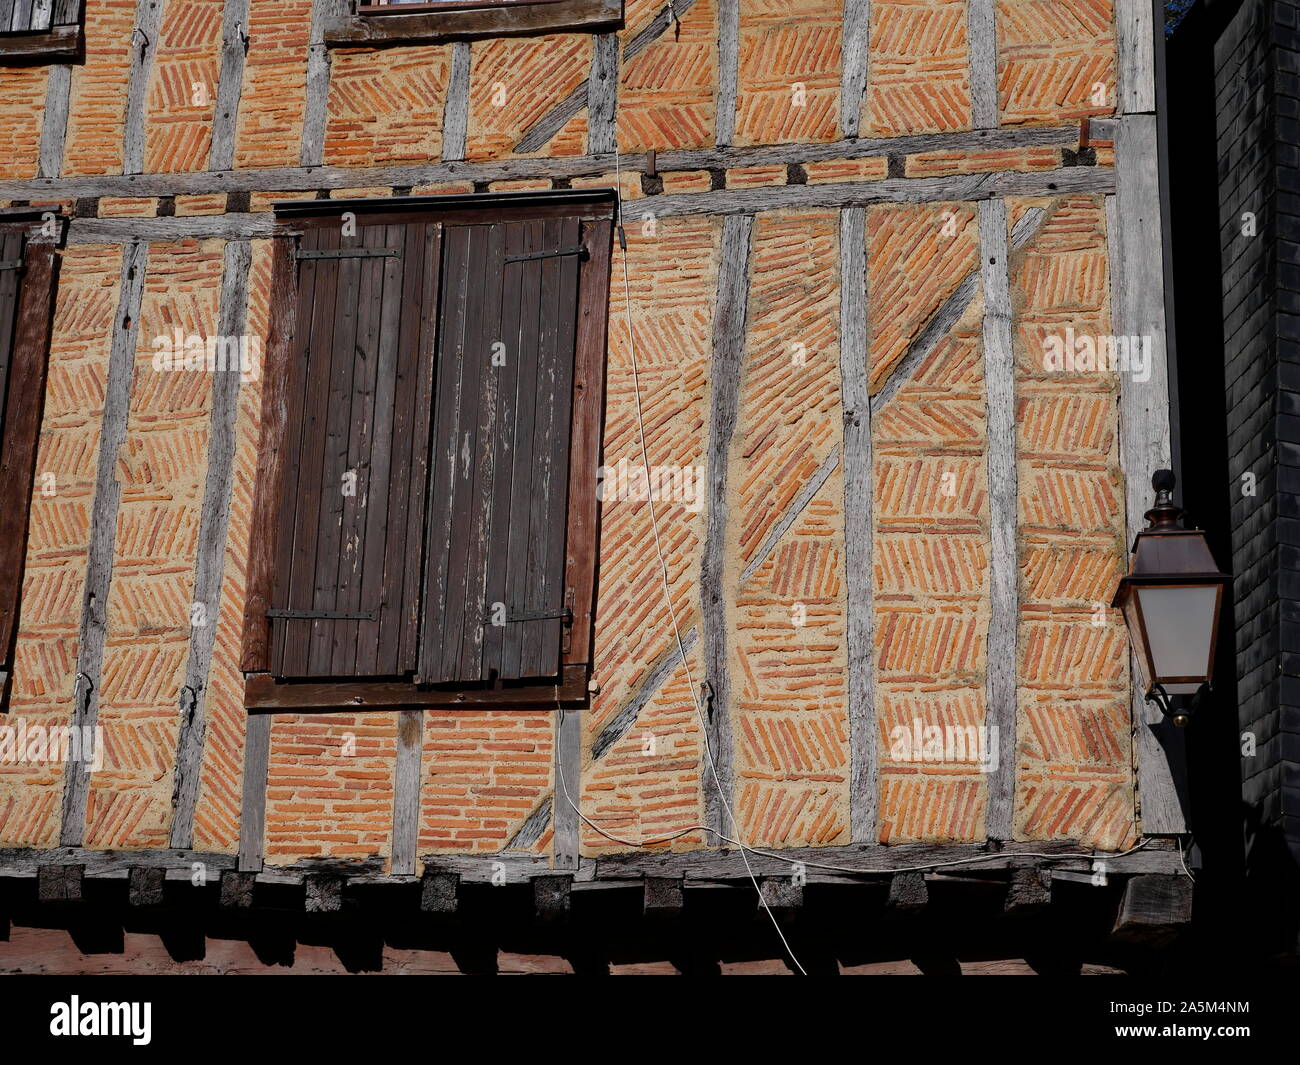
{"x": 1257, "y": 83}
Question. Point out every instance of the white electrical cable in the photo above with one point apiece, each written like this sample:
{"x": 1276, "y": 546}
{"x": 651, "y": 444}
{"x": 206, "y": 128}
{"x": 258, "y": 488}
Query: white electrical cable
{"x": 663, "y": 573}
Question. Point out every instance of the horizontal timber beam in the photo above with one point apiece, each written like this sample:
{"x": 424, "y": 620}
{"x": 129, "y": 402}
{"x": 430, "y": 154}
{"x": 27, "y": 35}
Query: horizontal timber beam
{"x": 963, "y": 188}
{"x": 303, "y": 178}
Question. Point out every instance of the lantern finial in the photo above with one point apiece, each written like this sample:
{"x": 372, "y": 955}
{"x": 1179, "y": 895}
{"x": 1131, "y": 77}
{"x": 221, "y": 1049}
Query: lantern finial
{"x": 1165, "y": 514}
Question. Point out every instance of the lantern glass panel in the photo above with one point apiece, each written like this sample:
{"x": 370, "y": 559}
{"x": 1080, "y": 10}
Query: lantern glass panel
{"x": 1179, "y": 624}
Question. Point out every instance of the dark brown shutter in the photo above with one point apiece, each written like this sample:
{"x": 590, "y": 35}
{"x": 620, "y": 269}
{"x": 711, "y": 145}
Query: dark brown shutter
{"x": 11, "y": 253}
{"x": 499, "y": 483}
{"x": 346, "y": 600}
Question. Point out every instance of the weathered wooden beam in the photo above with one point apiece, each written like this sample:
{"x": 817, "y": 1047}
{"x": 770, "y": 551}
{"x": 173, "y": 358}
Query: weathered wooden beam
{"x": 455, "y": 112}
{"x": 54, "y": 124}
{"x": 858, "y": 526}
{"x": 857, "y": 860}
{"x": 173, "y": 228}
{"x": 144, "y": 45}
{"x": 781, "y": 895}
{"x": 21, "y": 419}
{"x": 511, "y": 20}
{"x": 729, "y": 332}
{"x": 312, "y": 148}
{"x": 300, "y": 178}
{"x": 24, "y": 862}
{"x": 964, "y": 187}
{"x": 58, "y": 42}
{"x": 855, "y": 61}
{"x": 1136, "y": 240}
{"x": 982, "y": 35}
{"x": 1135, "y": 29}
{"x": 145, "y": 886}
{"x": 728, "y": 70}
{"x": 908, "y": 892}
{"x": 621, "y": 723}
{"x": 551, "y": 896}
{"x": 1153, "y": 908}
{"x": 252, "y": 806}
{"x": 1029, "y": 891}
{"x": 268, "y": 483}
{"x": 323, "y": 893}
{"x": 103, "y": 536}
{"x": 602, "y": 95}
{"x": 60, "y": 884}
{"x": 439, "y": 892}
{"x": 210, "y": 561}
{"x": 406, "y": 790}
{"x": 568, "y": 787}
{"x": 1000, "y": 706}
{"x": 663, "y": 897}
{"x": 263, "y": 695}
{"x": 237, "y": 889}
{"x": 225, "y": 118}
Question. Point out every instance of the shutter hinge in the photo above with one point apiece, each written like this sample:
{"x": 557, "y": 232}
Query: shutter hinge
{"x": 580, "y": 251}
{"x": 534, "y": 615}
{"x": 350, "y": 253}
{"x": 319, "y": 615}
{"x": 566, "y": 640}
{"x": 11, "y": 264}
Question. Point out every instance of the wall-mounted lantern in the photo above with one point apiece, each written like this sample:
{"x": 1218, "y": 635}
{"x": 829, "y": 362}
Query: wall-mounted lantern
{"x": 1171, "y": 600}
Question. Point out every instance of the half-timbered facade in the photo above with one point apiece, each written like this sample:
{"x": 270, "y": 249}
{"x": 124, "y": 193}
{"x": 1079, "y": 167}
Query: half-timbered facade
{"x": 555, "y": 444}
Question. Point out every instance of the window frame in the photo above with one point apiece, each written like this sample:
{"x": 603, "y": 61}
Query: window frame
{"x": 366, "y": 25}
{"x": 24, "y": 407}
{"x": 265, "y": 693}
{"x": 63, "y": 40}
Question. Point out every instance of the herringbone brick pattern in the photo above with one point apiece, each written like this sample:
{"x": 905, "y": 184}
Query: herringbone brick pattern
{"x": 918, "y": 75}
{"x": 329, "y": 790}
{"x": 388, "y": 112}
{"x": 182, "y": 95}
{"x": 789, "y": 720}
{"x": 514, "y": 82}
{"x": 22, "y": 103}
{"x": 97, "y": 113}
{"x": 161, "y": 470}
{"x": 930, "y": 554}
{"x": 940, "y": 164}
{"x": 789, "y": 71}
{"x": 1074, "y": 755}
{"x": 666, "y": 98}
{"x": 919, "y": 254}
{"x": 483, "y": 774}
{"x": 275, "y": 83}
{"x": 648, "y": 786}
{"x": 1056, "y": 60}
{"x": 672, "y": 272}
{"x": 58, "y": 537}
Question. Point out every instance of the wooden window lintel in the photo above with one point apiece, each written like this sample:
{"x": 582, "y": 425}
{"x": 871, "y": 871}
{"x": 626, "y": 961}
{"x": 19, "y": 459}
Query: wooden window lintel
{"x": 525, "y": 19}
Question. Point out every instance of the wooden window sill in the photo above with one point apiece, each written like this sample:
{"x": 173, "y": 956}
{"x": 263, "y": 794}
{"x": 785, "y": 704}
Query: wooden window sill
{"x": 62, "y": 42}
{"x": 461, "y": 23}
{"x": 262, "y": 694}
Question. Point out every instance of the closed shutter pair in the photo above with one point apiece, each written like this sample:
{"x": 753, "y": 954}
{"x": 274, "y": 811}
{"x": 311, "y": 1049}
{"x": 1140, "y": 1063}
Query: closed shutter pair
{"x": 423, "y": 515}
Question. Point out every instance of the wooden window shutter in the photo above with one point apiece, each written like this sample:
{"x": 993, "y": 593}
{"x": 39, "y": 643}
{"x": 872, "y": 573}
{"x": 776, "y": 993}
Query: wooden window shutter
{"x": 496, "y": 603}
{"x": 345, "y": 600}
{"x": 28, "y": 272}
